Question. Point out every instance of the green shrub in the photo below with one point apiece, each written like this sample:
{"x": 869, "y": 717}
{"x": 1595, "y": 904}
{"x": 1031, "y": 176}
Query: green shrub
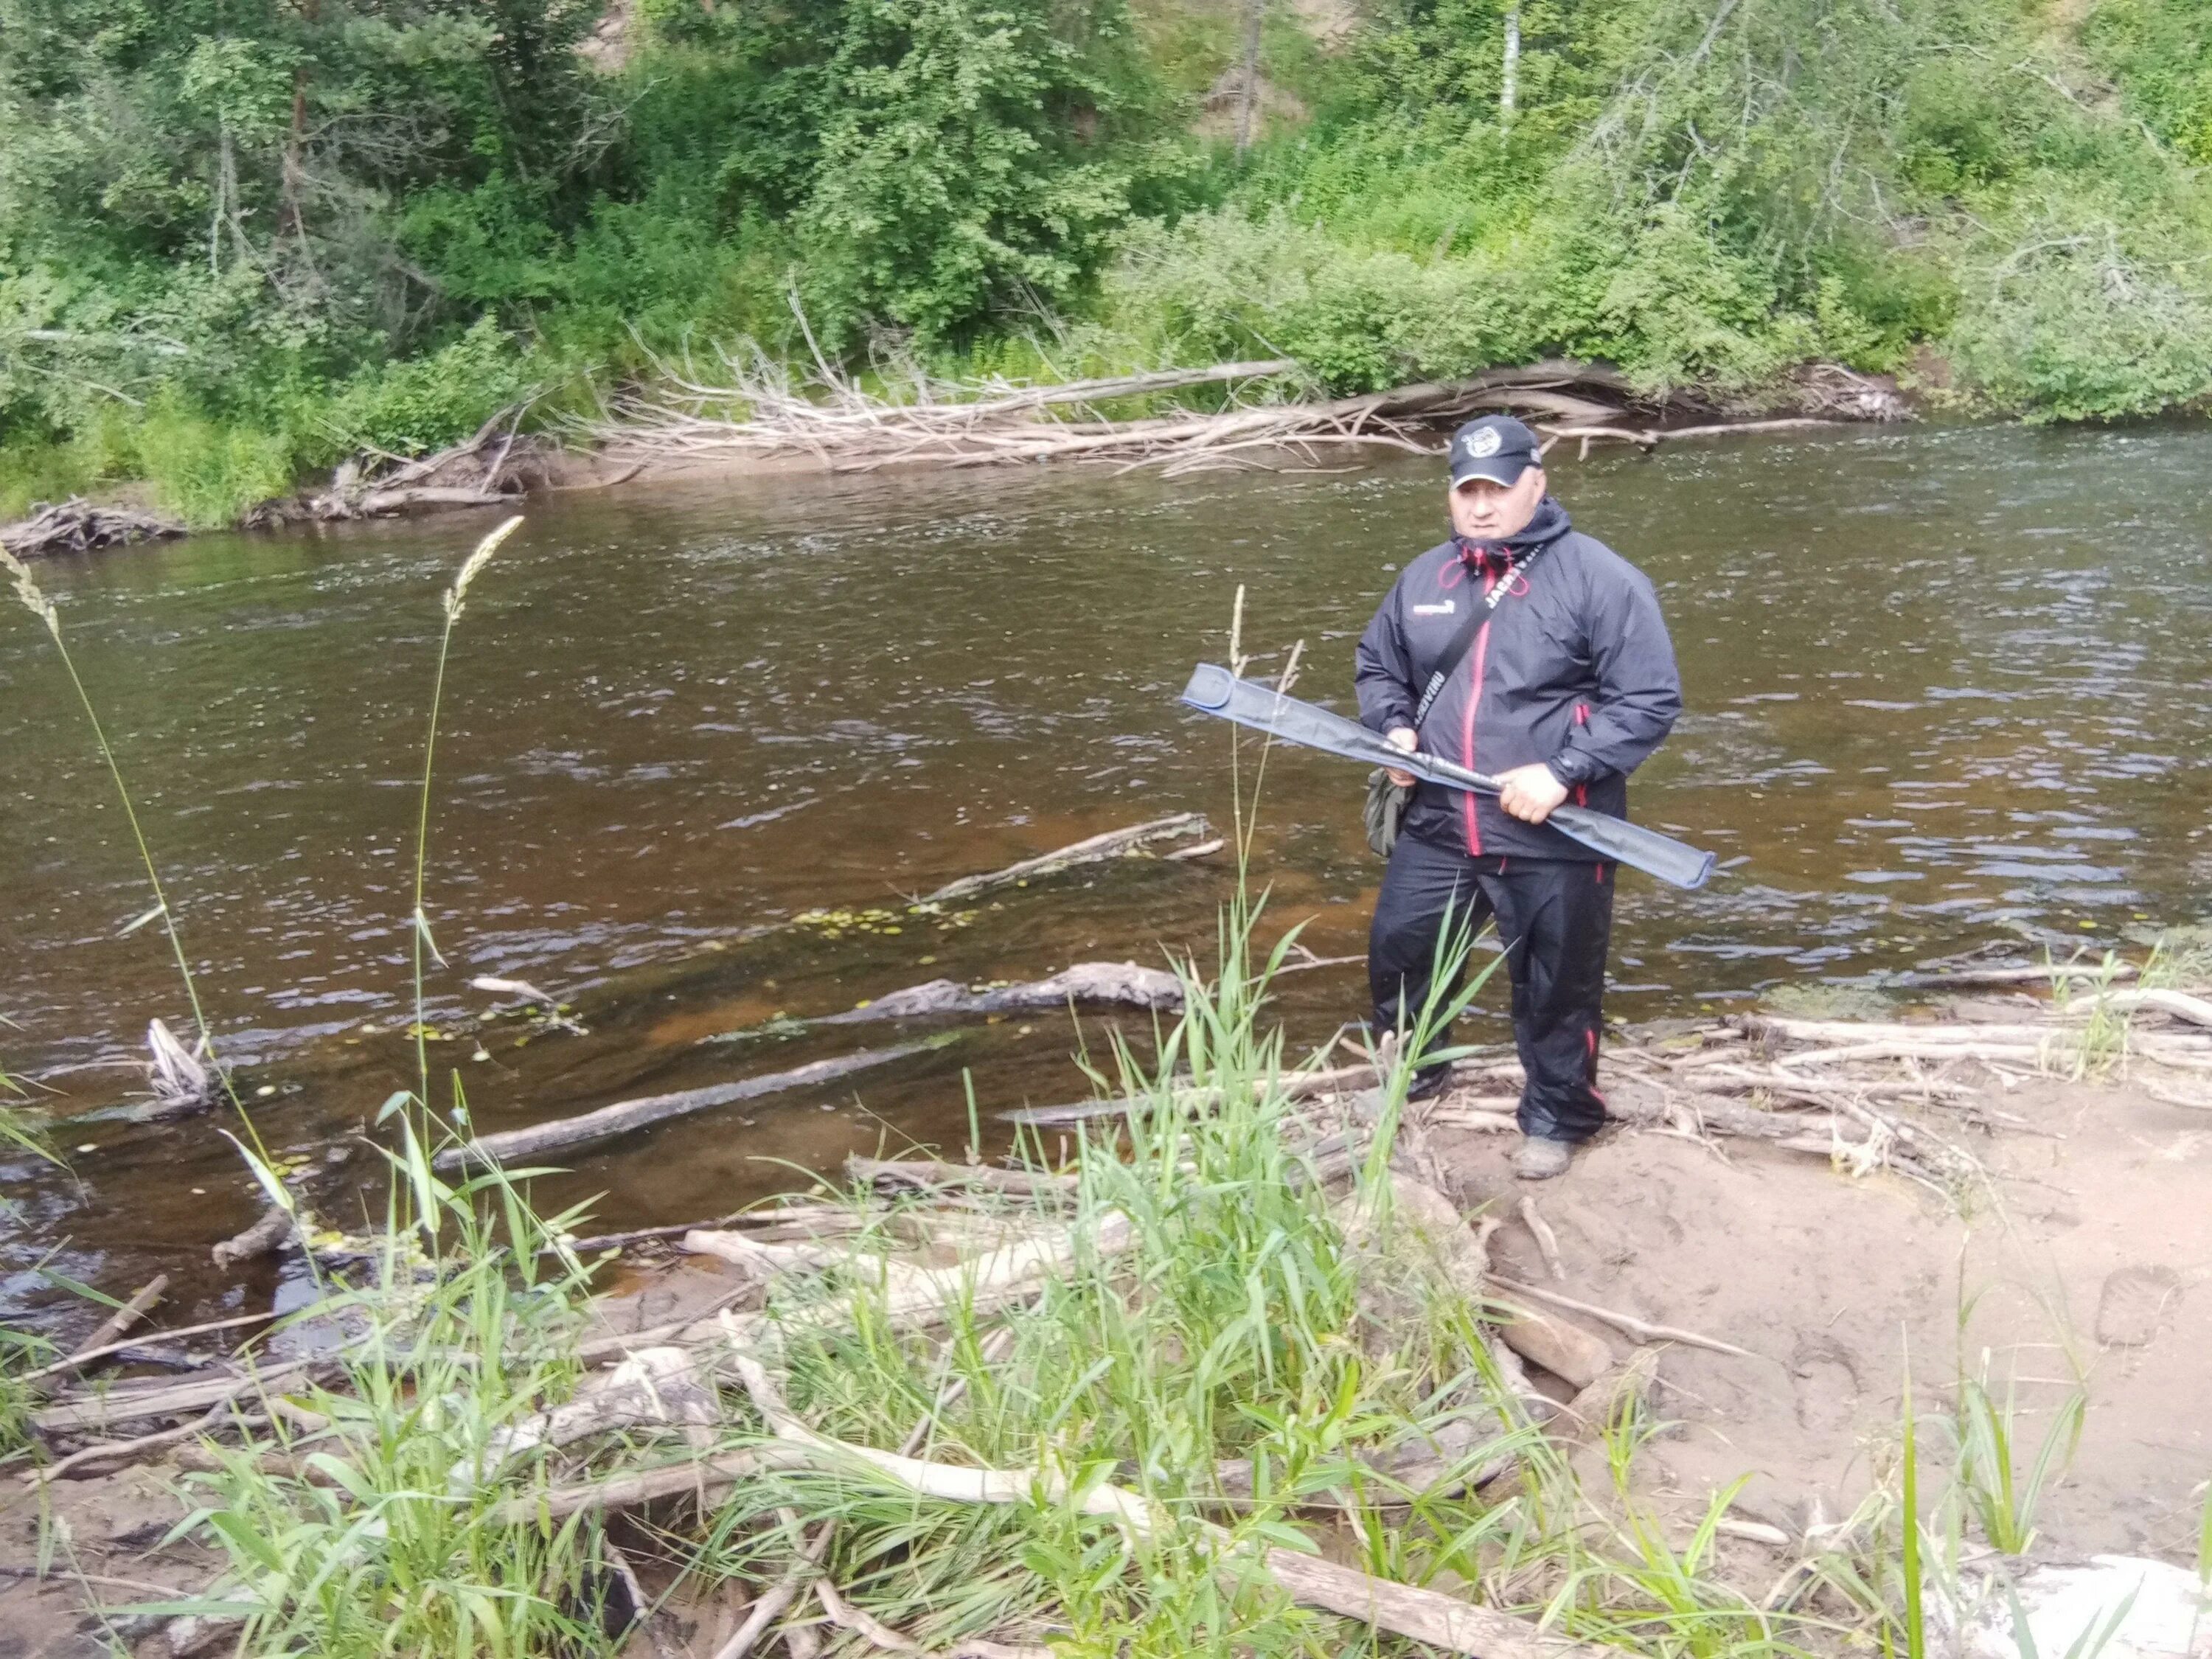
{"x": 952, "y": 171}
{"x": 2160, "y": 52}
{"x": 2078, "y": 324}
{"x": 208, "y": 472}
{"x": 36, "y": 470}
{"x": 412, "y": 408}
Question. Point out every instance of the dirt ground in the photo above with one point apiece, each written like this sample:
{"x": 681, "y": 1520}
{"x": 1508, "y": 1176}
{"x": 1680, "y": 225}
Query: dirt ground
{"x": 2084, "y": 1257}
{"x": 2081, "y": 1260}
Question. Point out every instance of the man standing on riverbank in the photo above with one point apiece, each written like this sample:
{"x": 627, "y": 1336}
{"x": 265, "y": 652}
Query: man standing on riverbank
{"x": 1524, "y": 649}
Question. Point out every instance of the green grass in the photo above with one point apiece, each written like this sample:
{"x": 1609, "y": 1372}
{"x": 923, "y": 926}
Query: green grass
{"x": 19, "y": 1351}
{"x": 368, "y": 1531}
{"x": 1915, "y": 1623}
{"x": 2181, "y": 960}
{"x": 2100, "y": 1047}
{"x": 2001, "y": 1478}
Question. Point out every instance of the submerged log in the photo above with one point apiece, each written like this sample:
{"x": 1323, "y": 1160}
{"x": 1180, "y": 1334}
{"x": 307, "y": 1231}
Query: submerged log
{"x": 1298, "y": 1086}
{"x": 927, "y": 1175}
{"x": 1113, "y": 844}
{"x": 270, "y": 1234}
{"x": 623, "y": 1117}
{"x": 1113, "y": 984}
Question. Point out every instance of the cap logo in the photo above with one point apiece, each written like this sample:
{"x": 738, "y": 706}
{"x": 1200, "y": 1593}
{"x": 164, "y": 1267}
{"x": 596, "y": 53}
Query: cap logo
{"x": 1486, "y": 443}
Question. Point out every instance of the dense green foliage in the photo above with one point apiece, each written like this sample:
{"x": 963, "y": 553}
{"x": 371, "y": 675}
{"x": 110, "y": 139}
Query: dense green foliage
{"x": 243, "y": 239}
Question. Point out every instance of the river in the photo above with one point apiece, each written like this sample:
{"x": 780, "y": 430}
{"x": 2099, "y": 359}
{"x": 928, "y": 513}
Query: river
{"x": 1946, "y": 685}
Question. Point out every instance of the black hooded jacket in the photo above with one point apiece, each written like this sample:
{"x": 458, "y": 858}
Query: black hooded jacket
{"x": 1573, "y": 669}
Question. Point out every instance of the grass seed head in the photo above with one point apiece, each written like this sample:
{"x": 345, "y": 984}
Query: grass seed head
{"x": 29, "y": 593}
{"x": 457, "y": 596}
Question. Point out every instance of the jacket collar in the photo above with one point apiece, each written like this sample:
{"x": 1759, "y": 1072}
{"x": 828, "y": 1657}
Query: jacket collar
{"x": 1549, "y": 523}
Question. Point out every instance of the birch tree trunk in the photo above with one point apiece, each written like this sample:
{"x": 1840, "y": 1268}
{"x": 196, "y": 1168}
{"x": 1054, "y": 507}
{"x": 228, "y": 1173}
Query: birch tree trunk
{"x": 1509, "y": 86}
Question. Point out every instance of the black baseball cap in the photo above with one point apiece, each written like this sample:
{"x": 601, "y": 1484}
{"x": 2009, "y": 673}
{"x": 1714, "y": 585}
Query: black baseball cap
{"x": 1496, "y": 446}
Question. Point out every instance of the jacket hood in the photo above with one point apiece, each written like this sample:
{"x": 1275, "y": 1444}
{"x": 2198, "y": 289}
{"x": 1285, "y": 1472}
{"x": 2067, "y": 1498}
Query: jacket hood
{"x": 1549, "y": 523}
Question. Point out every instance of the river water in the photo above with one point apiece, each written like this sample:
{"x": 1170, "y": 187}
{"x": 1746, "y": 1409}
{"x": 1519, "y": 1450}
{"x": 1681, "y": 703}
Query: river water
{"x": 1945, "y": 686}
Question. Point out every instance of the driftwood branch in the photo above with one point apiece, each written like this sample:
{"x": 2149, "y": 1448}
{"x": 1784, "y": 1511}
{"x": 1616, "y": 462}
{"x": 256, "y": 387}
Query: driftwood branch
{"x": 1298, "y": 1086}
{"x": 1547, "y": 1242}
{"x": 1422, "y": 1615}
{"x": 271, "y": 1233}
{"x": 85, "y": 1356}
{"x": 704, "y": 1478}
{"x": 807, "y": 1219}
{"x": 125, "y": 1404}
{"x": 1967, "y": 978}
{"x": 121, "y": 1321}
{"x": 1111, "y": 984}
{"x": 926, "y": 1175}
{"x": 625, "y": 1116}
{"x": 1114, "y": 843}
{"x": 1641, "y": 1331}
{"x": 97, "y": 1458}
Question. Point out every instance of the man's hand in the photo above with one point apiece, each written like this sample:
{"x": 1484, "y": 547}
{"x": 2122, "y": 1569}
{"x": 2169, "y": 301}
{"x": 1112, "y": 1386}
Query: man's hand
{"x": 1405, "y": 738}
{"x": 1529, "y": 792}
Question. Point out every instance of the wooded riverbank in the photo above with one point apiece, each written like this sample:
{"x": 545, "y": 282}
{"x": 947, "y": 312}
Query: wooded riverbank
{"x": 756, "y": 415}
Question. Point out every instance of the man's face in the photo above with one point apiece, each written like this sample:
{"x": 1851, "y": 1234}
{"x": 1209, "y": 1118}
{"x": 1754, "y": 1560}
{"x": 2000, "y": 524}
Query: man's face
{"x": 1485, "y": 512}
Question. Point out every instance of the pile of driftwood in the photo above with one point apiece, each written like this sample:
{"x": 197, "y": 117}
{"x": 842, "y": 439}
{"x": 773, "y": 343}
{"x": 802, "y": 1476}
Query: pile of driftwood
{"x": 77, "y": 526}
{"x": 654, "y": 1420}
{"x": 492, "y": 467}
{"x": 653, "y": 1423}
{"x": 751, "y": 407}
{"x": 1837, "y": 1088}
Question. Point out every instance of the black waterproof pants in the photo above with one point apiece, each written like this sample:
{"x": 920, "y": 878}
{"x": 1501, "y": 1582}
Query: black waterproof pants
{"x": 1555, "y": 919}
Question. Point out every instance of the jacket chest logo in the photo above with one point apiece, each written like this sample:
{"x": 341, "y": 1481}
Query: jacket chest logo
{"x": 1443, "y": 608}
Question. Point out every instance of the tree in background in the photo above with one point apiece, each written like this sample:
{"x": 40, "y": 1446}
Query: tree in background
{"x": 967, "y": 157}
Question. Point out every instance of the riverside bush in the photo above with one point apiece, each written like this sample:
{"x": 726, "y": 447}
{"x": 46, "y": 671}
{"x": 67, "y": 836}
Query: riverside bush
{"x": 310, "y": 231}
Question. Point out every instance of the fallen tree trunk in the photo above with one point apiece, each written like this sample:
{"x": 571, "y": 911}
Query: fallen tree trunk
{"x": 625, "y": 1116}
{"x": 1113, "y": 844}
{"x": 760, "y": 411}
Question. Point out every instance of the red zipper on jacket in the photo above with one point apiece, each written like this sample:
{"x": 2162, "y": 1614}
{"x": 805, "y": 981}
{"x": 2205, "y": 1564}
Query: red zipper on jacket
{"x": 1581, "y": 790}
{"x": 1475, "y": 704}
